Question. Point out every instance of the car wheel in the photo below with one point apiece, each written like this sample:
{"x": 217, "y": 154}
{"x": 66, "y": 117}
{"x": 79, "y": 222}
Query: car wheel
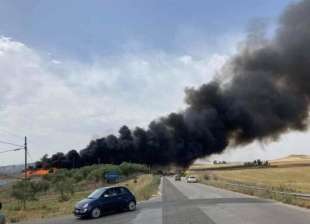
{"x": 95, "y": 213}
{"x": 131, "y": 206}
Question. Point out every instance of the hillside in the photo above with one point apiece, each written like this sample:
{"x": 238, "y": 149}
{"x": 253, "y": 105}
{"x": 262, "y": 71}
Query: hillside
{"x": 292, "y": 160}
{"x": 11, "y": 169}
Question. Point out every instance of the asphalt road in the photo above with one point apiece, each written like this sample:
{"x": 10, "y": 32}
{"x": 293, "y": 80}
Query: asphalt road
{"x": 183, "y": 203}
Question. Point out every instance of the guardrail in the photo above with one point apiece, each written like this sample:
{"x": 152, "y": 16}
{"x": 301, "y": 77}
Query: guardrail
{"x": 305, "y": 196}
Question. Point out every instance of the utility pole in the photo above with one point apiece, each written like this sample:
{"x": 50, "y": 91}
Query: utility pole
{"x": 25, "y": 180}
{"x": 25, "y": 147}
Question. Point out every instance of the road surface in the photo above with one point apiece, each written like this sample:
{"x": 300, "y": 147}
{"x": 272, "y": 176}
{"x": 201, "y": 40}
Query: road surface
{"x": 183, "y": 203}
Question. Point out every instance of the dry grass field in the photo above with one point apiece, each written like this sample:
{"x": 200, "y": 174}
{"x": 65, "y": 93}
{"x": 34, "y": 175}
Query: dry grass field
{"x": 200, "y": 166}
{"x": 289, "y": 161}
{"x": 289, "y": 174}
{"x": 290, "y": 178}
{"x": 292, "y": 160}
{"x": 143, "y": 187}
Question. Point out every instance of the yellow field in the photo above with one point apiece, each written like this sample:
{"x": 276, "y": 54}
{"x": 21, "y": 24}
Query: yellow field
{"x": 289, "y": 174}
{"x": 144, "y": 187}
{"x": 291, "y": 178}
{"x": 212, "y": 166}
{"x": 288, "y": 161}
{"x": 288, "y": 179}
{"x": 292, "y": 160}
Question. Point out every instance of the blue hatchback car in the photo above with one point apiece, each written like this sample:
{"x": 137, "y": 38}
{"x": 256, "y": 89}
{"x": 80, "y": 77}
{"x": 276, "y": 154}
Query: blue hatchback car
{"x": 104, "y": 200}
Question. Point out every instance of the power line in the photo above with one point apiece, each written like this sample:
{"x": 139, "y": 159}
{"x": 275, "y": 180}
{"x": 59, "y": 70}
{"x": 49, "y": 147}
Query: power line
{"x": 11, "y": 150}
{"x": 9, "y": 143}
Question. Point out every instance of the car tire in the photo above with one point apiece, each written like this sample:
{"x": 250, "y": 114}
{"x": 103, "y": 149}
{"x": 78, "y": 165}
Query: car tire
{"x": 95, "y": 213}
{"x": 131, "y": 206}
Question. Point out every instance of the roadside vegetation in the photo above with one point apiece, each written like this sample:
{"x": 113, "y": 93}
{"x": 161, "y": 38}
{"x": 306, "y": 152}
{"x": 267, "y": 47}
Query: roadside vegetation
{"x": 56, "y": 193}
{"x": 263, "y": 182}
{"x": 223, "y": 165}
{"x": 143, "y": 187}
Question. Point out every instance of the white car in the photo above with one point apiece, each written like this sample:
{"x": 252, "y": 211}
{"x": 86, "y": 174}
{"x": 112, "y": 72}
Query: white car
{"x": 192, "y": 179}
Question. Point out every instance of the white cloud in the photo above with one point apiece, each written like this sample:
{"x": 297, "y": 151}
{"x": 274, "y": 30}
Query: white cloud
{"x": 56, "y": 62}
{"x": 60, "y": 105}
{"x": 290, "y": 143}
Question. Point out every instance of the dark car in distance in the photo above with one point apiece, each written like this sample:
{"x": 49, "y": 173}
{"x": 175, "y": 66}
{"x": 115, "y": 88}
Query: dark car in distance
{"x": 105, "y": 200}
{"x": 177, "y": 177}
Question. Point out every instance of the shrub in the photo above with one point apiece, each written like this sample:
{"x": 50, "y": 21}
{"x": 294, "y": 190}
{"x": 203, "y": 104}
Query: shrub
{"x": 64, "y": 185}
{"x": 131, "y": 168}
{"x": 27, "y": 190}
{"x": 78, "y": 176}
{"x": 107, "y": 168}
{"x": 95, "y": 175}
{"x": 41, "y": 186}
{"x": 84, "y": 171}
{"x": 21, "y": 190}
{"x": 206, "y": 177}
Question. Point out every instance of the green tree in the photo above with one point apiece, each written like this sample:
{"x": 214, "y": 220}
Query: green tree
{"x": 64, "y": 185}
{"x": 27, "y": 190}
{"x": 95, "y": 176}
{"x": 132, "y": 168}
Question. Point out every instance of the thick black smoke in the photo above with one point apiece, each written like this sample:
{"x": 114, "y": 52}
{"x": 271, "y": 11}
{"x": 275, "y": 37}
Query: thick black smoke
{"x": 264, "y": 92}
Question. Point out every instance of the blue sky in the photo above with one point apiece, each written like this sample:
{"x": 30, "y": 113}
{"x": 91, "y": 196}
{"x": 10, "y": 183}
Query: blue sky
{"x": 84, "y": 29}
{"x": 76, "y": 70}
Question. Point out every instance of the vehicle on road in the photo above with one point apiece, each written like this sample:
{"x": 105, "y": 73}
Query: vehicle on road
{"x": 105, "y": 200}
{"x": 191, "y": 179}
{"x": 2, "y": 217}
{"x": 177, "y": 177}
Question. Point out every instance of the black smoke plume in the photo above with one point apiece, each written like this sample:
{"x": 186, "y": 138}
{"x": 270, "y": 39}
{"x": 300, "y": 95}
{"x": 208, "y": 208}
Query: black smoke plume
{"x": 263, "y": 92}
